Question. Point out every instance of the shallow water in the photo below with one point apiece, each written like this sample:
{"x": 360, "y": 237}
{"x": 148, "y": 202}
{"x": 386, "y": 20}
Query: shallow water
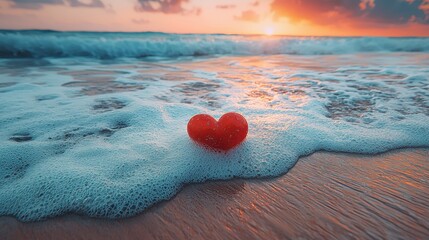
{"x": 107, "y": 137}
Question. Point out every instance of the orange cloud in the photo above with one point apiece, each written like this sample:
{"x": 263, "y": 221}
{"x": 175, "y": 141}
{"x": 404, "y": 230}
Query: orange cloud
{"x": 363, "y": 12}
{"x": 226, "y": 6}
{"x": 425, "y": 7}
{"x": 248, "y": 16}
{"x": 364, "y": 4}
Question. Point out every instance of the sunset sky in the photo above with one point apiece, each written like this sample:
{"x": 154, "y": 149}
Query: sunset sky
{"x": 286, "y": 17}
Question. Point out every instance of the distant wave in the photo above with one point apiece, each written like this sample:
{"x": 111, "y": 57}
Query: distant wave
{"x": 38, "y": 44}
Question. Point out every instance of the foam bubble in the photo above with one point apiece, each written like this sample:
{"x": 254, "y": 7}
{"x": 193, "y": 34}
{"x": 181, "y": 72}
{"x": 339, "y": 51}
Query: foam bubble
{"x": 115, "y": 153}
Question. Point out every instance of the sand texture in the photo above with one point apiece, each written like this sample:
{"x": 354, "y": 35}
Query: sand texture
{"x": 326, "y": 195}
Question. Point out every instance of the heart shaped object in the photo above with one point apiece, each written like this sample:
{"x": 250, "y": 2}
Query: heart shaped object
{"x": 228, "y": 132}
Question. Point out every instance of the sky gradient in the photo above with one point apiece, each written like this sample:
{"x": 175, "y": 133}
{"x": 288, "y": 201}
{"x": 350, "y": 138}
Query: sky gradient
{"x": 285, "y": 17}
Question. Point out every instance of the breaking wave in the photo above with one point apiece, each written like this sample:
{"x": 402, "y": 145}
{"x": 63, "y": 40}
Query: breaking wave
{"x": 104, "y": 45}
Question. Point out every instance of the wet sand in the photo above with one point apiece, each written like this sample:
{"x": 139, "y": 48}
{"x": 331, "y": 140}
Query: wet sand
{"x": 326, "y": 195}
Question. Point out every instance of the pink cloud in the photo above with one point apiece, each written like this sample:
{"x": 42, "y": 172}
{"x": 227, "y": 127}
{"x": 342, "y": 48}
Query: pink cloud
{"x": 248, "y": 16}
{"x": 166, "y": 7}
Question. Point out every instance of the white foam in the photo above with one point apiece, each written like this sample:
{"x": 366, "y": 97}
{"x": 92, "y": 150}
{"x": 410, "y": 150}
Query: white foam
{"x": 39, "y": 44}
{"x": 115, "y": 154}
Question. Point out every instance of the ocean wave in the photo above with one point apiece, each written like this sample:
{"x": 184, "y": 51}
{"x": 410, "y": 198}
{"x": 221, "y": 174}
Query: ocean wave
{"x": 39, "y": 44}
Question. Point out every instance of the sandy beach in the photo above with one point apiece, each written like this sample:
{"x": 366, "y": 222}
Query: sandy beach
{"x": 233, "y": 119}
{"x": 326, "y": 195}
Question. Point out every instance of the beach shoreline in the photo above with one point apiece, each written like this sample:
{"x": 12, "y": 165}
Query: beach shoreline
{"x": 325, "y": 195}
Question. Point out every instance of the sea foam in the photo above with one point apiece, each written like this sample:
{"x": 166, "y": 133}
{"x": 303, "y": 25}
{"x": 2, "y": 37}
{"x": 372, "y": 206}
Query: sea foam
{"x": 108, "y": 139}
{"x": 40, "y": 44}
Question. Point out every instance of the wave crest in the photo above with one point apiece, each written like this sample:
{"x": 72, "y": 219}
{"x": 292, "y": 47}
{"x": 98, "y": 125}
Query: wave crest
{"x": 37, "y": 44}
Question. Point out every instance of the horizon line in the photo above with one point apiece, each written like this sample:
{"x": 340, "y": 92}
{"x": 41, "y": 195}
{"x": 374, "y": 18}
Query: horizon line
{"x": 232, "y": 34}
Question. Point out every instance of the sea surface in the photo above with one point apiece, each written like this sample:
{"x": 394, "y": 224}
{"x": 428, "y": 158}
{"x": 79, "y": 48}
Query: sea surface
{"x": 95, "y": 123}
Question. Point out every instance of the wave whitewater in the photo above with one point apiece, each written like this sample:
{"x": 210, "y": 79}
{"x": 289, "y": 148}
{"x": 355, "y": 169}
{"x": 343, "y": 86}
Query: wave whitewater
{"x": 105, "y": 45}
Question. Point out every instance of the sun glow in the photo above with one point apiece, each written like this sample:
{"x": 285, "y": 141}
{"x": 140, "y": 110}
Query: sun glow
{"x": 269, "y": 31}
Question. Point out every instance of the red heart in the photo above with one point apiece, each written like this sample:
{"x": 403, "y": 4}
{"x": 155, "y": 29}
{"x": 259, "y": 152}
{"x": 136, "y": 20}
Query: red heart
{"x": 228, "y": 132}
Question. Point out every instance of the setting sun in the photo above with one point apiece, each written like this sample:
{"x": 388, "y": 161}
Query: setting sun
{"x": 269, "y": 31}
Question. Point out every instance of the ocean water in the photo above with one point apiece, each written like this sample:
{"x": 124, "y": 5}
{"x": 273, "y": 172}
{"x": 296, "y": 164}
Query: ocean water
{"x": 95, "y": 123}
